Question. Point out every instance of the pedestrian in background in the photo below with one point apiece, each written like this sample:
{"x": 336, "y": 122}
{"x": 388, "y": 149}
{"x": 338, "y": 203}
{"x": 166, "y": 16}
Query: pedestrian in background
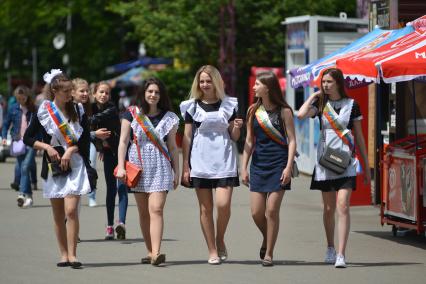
{"x": 81, "y": 94}
{"x": 209, "y": 157}
{"x": 271, "y": 142}
{"x": 153, "y": 126}
{"x": 19, "y": 117}
{"x": 65, "y": 141}
{"x": 340, "y": 122}
{"x": 105, "y": 116}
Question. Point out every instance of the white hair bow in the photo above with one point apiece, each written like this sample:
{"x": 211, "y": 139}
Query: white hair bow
{"x": 48, "y": 76}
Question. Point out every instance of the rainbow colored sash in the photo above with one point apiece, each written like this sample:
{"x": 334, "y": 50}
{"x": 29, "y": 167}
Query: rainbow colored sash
{"x": 331, "y": 115}
{"x": 266, "y": 125}
{"x": 62, "y": 125}
{"x": 149, "y": 130}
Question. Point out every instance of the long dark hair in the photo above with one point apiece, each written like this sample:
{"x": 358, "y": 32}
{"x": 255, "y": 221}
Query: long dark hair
{"x": 25, "y": 91}
{"x": 270, "y": 80}
{"x": 164, "y": 103}
{"x": 58, "y": 82}
{"x": 337, "y": 75}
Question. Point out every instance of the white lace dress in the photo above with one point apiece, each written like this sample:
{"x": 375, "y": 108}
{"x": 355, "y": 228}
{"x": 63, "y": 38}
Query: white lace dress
{"x": 157, "y": 170}
{"x": 75, "y": 183}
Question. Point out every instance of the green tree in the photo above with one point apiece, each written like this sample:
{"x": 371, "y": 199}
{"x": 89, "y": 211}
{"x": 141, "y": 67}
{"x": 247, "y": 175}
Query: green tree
{"x": 91, "y": 43}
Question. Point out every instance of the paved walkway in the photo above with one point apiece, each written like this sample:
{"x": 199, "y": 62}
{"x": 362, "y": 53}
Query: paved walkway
{"x": 28, "y": 250}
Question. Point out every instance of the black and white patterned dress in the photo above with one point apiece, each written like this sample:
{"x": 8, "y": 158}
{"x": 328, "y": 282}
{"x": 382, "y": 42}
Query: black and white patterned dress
{"x": 157, "y": 170}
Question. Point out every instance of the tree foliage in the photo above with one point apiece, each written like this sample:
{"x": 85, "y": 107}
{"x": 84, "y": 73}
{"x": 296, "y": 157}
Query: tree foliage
{"x": 94, "y": 41}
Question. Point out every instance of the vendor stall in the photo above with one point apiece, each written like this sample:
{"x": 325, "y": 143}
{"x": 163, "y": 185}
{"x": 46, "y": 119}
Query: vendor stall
{"x": 404, "y": 189}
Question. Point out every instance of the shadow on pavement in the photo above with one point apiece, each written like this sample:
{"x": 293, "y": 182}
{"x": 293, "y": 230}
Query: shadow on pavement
{"x": 110, "y": 264}
{"x": 410, "y": 238}
{"x": 126, "y": 241}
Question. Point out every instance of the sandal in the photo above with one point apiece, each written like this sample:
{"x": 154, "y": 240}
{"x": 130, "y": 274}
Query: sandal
{"x": 146, "y": 260}
{"x": 267, "y": 262}
{"x": 215, "y": 260}
{"x": 262, "y": 253}
{"x": 158, "y": 259}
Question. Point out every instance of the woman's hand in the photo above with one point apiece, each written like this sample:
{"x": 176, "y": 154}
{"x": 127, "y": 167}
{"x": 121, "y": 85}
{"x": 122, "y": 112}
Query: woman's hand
{"x": 186, "y": 176}
{"x": 367, "y": 177}
{"x": 66, "y": 158}
{"x": 102, "y": 133}
{"x": 245, "y": 177}
{"x": 175, "y": 181}
{"x": 53, "y": 154}
{"x": 286, "y": 176}
{"x": 121, "y": 174}
{"x": 238, "y": 123}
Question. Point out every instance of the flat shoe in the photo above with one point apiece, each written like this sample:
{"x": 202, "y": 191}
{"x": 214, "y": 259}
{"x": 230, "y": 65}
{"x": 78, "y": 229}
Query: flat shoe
{"x": 262, "y": 253}
{"x": 146, "y": 260}
{"x": 223, "y": 254}
{"x": 63, "y": 264}
{"x": 215, "y": 260}
{"x": 75, "y": 264}
{"x": 158, "y": 259}
{"x": 267, "y": 262}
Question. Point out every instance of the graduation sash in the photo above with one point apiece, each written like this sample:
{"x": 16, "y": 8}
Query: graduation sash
{"x": 62, "y": 125}
{"x": 266, "y": 125}
{"x": 344, "y": 133}
{"x": 149, "y": 130}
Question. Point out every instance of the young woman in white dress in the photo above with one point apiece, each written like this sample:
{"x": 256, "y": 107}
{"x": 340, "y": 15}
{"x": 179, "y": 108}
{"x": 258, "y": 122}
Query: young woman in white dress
{"x": 73, "y": 137}
{"x": 160, "y": 160}
{"x": 209, "y": 158}
{"x": 336, "y": 188}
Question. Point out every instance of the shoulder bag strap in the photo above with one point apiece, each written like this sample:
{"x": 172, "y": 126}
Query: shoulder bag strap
{"x": 132, "y": 110}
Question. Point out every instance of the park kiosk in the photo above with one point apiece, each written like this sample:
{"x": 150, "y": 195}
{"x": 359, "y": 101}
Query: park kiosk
{"x": 309, "y": 38}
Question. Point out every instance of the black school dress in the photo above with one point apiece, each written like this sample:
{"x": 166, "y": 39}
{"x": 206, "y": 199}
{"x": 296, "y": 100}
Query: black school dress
{"x": 269, "y": 158}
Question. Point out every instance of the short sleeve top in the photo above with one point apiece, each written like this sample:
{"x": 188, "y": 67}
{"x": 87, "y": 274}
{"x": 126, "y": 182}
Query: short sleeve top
{"x": 337, "y": 105}
{"x": 155, "y": 120}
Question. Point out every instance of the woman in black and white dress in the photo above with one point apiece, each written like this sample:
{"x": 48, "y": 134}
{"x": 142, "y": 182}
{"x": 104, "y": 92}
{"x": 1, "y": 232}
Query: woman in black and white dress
{"x": 158, "y": 158}
{"x": 211, "y": 162}
{"x": 63, "y": 190}
{"x": 332, "y": 97}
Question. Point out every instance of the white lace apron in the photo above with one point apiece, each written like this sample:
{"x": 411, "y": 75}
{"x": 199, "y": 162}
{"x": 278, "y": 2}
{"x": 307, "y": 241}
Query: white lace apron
{"x": 327, "y": 133}
{"x": 213, "y": 155}
{"x": 75, "y": 183}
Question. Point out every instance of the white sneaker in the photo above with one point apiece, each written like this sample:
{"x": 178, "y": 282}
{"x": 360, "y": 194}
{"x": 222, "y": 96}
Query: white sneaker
{"x": 92, "y": 202}
{"x": 20, "y": 199}
{"x": 340, "y": 261}
{"x": 28, "y": 203}
{"x": 330, "y": 255}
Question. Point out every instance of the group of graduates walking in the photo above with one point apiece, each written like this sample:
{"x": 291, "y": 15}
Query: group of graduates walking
{"x": 70, "y": 129}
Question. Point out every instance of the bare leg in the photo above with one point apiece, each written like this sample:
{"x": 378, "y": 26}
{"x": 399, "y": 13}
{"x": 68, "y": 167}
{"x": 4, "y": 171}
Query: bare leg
{"x": 144, "y": 222}
{"x": 205, "y": 200}
{"x": 59, "y": 225}
{"x": 329, "y": 200}
{"x": 273, "y": 205}
{"x": 344, "y": 221}
{"x": 223, "y": 207}
{"x": 71, "y": 213}
{"x": 258, "y": 210}
{"x": 156, "y": 201}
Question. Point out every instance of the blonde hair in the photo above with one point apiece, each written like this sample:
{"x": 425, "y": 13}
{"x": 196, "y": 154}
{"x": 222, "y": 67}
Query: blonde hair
{"x": 217, "y": 81}
{"x": 79, "y": 81}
